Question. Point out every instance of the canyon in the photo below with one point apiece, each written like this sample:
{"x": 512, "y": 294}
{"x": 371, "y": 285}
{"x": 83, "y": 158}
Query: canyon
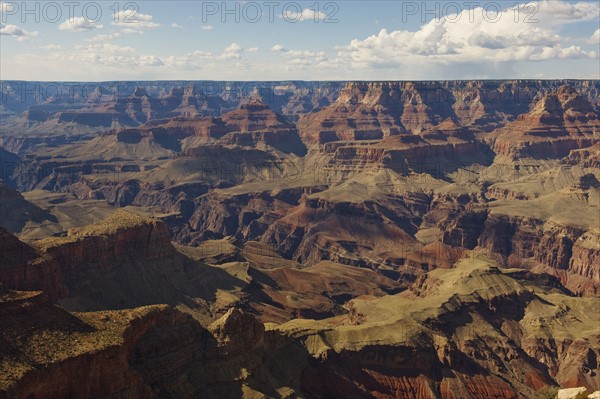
{"x": 300, "y": 239}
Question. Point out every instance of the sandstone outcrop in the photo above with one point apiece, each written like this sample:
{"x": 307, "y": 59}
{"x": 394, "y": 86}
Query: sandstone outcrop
{"x": 572, "y": 393}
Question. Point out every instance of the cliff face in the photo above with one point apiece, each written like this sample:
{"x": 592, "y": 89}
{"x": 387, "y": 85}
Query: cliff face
{"x": 304, "y": 227}
{"x": 55, "y": 264}
{"x": 254, "y": 131}
{"x": 586, "y": 157}
{"x": 559, "y": 122}
{"x": 245, "y": 215}
{"x": 363, "y": 111}
{"x": 124, "y": 261}
{"x": 568, "y": 252}
{"x": 116, "y": 239}
{"x": 22, "y": 267}
{"x": 250, "y": 117}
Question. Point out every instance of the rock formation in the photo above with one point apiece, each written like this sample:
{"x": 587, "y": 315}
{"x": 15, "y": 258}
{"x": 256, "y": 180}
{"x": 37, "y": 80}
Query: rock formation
{"x": 360, "y": 239}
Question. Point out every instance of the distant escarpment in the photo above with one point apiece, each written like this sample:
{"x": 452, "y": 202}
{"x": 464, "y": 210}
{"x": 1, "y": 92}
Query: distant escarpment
{"x": 377, "y": 110}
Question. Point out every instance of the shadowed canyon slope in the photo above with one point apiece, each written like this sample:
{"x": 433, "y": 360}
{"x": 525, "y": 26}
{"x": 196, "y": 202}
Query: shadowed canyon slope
{"x": 301, "y": 239}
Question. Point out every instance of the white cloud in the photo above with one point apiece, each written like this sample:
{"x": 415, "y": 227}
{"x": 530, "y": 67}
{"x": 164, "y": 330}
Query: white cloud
{"x": 150, "y": 60}
{"x": 207, "y": 27}
{"x": 53, "y": 47}
{"x": 278, "y": 48}
{"x": 79, "y": 24}
{"x": 202, "y": 54}
{"x": 176, "y": 26}
{"x": 305, "y": 15}
{"x": 233, "y": 51}
{"x": 253, "y": 50}
{"x": 134, "y": 22}
{"x": 300, "y": 59}
{"x": 549, "y": 53}
{"x": 558, "y": 12}
{"x": 595, "y": 39}
{"x": 470, "y": 38}
{"x": 16, "y": 32}
{"x": 304, "y": 54}
{"x": 192, "y": 60}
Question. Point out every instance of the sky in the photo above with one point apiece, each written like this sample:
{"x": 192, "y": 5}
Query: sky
{"x": 298, "y": 40}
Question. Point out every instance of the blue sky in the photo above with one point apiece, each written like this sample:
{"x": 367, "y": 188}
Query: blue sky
{"x": 280, "y": 40}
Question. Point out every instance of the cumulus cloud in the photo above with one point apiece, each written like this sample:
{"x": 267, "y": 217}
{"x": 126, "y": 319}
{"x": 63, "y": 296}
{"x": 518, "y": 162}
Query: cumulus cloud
{"x": 192, "y": 60}
{"x": 79, "y": 24}
{"x": 472, "y": 37}
{"x": 207, "y": 27}
{"x": 300, "y": 59}
{"x": 176, "y": 26}
{"x": 134, "y": 21}
{"x": 278, "y": 48}
{"x": 549, "y": 53}
{"x": 149, "y": 60}
{"x": 595, "y": 39}
{"x": 305, "y": 15}
{"x": 16, "y": 32}
{"x": 233, "y": 51}
{"x": 558, "y": 12}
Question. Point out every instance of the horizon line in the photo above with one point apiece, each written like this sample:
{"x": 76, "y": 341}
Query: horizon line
{"x": 308, "y": 81}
